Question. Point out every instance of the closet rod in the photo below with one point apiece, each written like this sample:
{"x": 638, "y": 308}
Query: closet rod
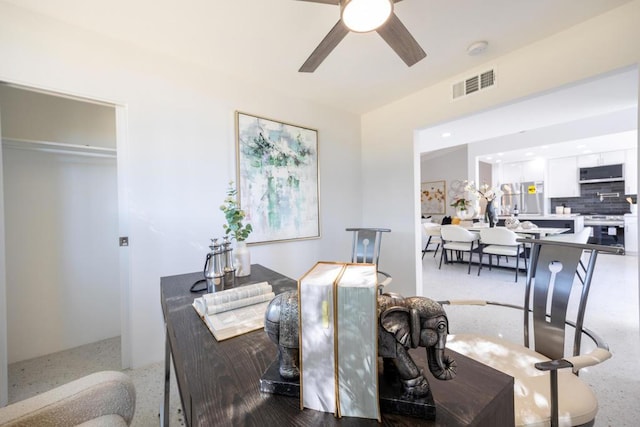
{"x": 59, "y": 147}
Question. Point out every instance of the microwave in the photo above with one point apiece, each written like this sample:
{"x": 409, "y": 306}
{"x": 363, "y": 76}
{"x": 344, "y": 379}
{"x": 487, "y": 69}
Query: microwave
{"x": 606, "y": 173}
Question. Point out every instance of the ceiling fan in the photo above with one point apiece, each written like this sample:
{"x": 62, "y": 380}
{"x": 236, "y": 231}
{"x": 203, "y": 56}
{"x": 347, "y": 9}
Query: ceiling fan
{"x": 363, "y": 16}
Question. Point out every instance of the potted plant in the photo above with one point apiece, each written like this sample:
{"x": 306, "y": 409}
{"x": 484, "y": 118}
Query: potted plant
{"x": 461, "y": 204}
{"x": 463, "y": 207}
{"x": 237, "y": 229}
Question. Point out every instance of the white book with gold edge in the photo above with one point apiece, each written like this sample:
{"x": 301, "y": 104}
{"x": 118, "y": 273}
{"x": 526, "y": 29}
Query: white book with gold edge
{"x": 338, "y": 336}
{"x": 357, "y": 349}
{"x": 317, "y": 341}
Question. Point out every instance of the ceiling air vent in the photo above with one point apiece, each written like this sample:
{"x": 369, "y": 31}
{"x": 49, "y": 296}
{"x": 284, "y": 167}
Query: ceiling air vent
{"x": 474, "y": 84}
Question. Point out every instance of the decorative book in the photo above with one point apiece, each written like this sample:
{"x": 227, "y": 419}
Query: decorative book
{"x": 235, "y": 311}
{"x": 338, "y": 339}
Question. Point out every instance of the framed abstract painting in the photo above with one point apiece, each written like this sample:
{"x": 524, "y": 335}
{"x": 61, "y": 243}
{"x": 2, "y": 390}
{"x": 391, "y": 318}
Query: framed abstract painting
{"x": 433, "y": 196}
{"x": 277, "y": 178}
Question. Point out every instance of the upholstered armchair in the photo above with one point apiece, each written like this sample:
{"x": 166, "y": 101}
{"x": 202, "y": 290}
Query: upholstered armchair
{"x": 103, "y": 399}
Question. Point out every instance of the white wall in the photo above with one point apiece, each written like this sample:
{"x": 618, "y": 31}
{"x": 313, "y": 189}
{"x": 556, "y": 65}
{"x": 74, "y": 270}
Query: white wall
{"x": 614, "y": 137}
{"x": 179, "y": 153}
{"x": 600, "y": 45}
{"x": 448, "y": 165}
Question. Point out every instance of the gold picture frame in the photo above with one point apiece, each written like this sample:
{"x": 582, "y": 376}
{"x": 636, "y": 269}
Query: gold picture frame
{"x": 278, "y": 181}
{"x": 433, "y": 197}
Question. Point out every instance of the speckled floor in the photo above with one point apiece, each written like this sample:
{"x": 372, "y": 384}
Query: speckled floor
{"x": 612, "y": 312}
{"x": 34, "y": 376}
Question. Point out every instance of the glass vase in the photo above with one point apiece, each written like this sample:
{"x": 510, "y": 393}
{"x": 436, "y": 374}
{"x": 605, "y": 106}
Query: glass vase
{"x": 465, "y": 214}
{"x": 242, "y": 259}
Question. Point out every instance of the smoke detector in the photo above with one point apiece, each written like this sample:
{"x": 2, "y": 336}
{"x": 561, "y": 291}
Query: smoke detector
{"x": 476, "y": 48}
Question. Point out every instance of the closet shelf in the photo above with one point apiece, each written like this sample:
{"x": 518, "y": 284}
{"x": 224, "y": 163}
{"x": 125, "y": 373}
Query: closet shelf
{"x": 58, "y": 147}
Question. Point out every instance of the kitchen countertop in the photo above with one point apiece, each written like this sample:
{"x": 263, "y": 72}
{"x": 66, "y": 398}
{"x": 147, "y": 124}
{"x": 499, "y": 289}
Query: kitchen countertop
{"x": 533, "y": 217}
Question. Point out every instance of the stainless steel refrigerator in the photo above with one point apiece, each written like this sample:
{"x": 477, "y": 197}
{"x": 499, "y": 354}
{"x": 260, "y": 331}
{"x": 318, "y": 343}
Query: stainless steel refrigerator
{"x": 528, "y": 196}
{"x": 532, "y": 197}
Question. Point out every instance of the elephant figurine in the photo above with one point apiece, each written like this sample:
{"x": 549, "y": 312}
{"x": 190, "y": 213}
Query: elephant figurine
{"x": 404, "y": 323}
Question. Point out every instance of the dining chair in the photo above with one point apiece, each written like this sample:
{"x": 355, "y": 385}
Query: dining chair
{"x": 547, "y": 388}
{"x": 366, "y": 249}
{"x": 431, "y": 232}
{"x": 459, "y": 240}
{"x": 501, "y": 241}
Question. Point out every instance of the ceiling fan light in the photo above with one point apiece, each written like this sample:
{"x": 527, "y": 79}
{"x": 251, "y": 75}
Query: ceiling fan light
{"x": 362, "y": 16}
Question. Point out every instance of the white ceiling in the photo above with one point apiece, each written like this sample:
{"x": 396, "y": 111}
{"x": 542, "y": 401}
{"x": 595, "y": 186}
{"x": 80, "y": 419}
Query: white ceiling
{"x": 572, "y": 120}
{"x": 266, "y": 41}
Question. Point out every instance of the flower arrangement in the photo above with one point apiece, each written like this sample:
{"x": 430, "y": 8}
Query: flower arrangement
{"x": 485, "y": 191}
{"x": 489, "y": 194}
{"x": 234, "y": 216}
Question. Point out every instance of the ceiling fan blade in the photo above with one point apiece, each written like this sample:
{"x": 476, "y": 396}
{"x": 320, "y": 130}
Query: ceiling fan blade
{"x": 401, "y": 41}
{"x": 325, "y": 1}
{"x": 325, "y": 47}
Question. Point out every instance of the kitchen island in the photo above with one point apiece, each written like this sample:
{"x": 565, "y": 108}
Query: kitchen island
{"x": 574, "y": 222}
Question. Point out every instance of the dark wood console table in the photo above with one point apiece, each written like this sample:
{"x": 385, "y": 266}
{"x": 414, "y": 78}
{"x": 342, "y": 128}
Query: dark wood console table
{"x": 219, "y": 381}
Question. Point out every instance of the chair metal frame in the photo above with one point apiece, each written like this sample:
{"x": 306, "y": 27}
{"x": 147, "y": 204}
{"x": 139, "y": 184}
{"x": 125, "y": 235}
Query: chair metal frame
{"x": 579, "y": 237}
{"x": 550, "y": 278}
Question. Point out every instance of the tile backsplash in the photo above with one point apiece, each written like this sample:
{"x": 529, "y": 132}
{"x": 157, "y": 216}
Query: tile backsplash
{"x": 589, "y": 201}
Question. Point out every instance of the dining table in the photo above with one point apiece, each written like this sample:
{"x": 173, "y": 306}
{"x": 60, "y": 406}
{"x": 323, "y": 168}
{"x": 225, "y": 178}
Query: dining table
{"x": 536, "y": 232}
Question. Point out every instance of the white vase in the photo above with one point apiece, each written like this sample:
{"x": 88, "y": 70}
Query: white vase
{"x": 465, "y": 214}
{"x": 242, "y": 259}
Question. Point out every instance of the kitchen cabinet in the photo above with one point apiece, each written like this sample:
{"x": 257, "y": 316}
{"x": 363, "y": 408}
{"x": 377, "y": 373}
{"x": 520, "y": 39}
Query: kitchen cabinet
{"x": 531, "y": 170}
{"x": 631, "y": 171}
{"x": 562, "y": 177}
{"x": 599, "y": 159}
{"x": 631, "y": 234}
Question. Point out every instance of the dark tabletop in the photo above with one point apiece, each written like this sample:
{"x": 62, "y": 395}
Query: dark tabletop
{"x": 219, "y": 381}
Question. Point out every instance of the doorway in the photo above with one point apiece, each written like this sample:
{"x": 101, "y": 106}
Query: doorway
{"x": 62, "y": 221}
